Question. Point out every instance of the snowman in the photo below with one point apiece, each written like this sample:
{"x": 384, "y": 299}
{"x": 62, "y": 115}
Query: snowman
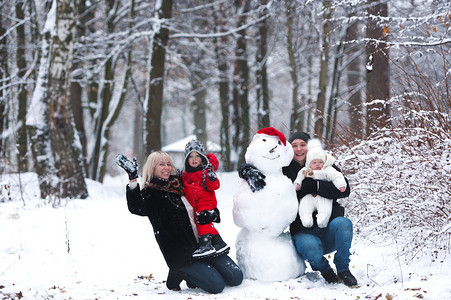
{"x": 264, "y": 248}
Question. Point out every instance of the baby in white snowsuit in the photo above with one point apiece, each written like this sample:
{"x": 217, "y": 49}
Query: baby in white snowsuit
{"x": 318, "y": 165}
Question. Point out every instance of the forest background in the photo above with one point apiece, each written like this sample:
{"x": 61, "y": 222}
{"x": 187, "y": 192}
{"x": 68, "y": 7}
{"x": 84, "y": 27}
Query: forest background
{"x": 81, "y": 81}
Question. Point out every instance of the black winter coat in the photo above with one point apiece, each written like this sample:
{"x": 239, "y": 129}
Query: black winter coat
{"x": 326, "y": 189}
{"x": 170, "y": 222}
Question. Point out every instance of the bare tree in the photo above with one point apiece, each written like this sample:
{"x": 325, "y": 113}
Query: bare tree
{"x": 324, "y": 69}
{"x": 198, "y": 94}
{"x": 156, "y": 77}
{"x": 21, "y": 61}
{"x": 296, "y": 118}
{"x": 109, "y": 103}
{"x": 85, "y": 15}
{"x": 332, "y": 108}
{"x": 115, "y": 104}
{"x": 261, "y": 76}
{"x": 4, "y": 91}
{"x": 56, "y": 155}
{"x": 378, "y": 73}
{"x": 241, "y": 118}
{"x": 220, "y": 43}
{"x": 354, "y": 78}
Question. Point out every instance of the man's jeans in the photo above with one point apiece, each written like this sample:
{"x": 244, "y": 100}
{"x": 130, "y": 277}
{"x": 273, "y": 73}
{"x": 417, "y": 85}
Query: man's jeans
{"x": 313, "y": 244}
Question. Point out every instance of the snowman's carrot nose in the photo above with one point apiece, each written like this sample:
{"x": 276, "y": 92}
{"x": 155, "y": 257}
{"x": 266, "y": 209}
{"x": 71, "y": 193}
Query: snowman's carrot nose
{"x": 272, "y": 150}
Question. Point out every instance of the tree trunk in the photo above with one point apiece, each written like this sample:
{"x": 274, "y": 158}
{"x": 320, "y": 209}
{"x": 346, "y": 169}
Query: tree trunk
{"x": 84, "y": 15}
{"x": 54, "y": 145}
{"x": 310, "y": 120}
{"x": 224, "y": 96}
{"x": 334, "y": 91}
{"x": 296, "y": 118}
{"x": 38, "y": 125}
{"x": 156, "y": 80}
{"x": 77, "y": 110}
{"x": 261, "y": 75}
{"x": 35, "y": 35}
{"x": 115, "y": 106}
{"x": 354, "y": 78}
{"x": 103, "y": 104}
{"x": 138, "y": 146}
{"x": 3, "y": 91}
{"x": 21, "y": 61}
{"x": 199, "y": 109}
{"x": 109, "y": 102}
{"x": 241, "y": 118}
{"x": 68, "y": 158}
{"x": 377, "y": 76}
{"x": 324, "y": 71}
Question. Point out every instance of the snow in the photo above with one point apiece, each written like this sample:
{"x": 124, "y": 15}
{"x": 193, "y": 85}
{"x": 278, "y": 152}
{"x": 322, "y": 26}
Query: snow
{"x": 50, "y": 22}
{"x": 95, "y": 248}
{"x": 369, "y": 64}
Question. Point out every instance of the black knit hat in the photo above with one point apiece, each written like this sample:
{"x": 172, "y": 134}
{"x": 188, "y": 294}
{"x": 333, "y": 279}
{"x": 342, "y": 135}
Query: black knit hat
{"x": 299, "y": 135}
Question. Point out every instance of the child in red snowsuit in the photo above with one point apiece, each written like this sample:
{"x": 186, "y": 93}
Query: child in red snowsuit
{"x": 199, "y": 184}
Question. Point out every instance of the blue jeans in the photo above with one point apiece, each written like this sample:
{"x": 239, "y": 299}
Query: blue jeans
{"x": 213, "y": 274}
{"x": 314, "y": 243}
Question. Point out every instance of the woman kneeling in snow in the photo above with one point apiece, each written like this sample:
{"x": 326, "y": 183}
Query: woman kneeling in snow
{"x": 162, "y": 200}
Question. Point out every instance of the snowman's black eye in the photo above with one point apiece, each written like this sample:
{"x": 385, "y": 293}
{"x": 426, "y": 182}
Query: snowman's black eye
{"x": 280, "y": 143}
{"x": 264, "y": 140}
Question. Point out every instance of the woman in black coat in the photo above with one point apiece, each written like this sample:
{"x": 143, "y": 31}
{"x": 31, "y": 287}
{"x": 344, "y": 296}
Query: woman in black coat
{"x": 162, "y": 200}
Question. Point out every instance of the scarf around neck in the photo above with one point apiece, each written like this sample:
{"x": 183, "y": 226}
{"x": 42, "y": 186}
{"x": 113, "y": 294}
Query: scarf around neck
{"x": 172, "y": 185}
{"x": 190, "y": 169}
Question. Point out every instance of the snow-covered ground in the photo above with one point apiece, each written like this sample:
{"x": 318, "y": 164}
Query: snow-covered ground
{"x": 96, "y": 249}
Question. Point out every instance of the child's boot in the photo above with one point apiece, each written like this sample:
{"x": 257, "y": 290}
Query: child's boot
{"x": 220, "y": 246}
{"x": 205, "y": 247}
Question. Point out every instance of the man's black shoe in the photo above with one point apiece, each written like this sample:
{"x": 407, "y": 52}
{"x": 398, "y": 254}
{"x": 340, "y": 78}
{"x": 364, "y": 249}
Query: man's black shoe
{"x": 330, "y": 276}
{"x": 347, "y": 278}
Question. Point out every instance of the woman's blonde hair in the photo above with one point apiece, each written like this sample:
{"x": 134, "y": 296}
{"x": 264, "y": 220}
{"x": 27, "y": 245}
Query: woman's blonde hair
{"x": 153, "y": 159}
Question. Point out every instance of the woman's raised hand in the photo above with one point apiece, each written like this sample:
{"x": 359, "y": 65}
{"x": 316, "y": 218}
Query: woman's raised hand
{"x": 131, "y": 167}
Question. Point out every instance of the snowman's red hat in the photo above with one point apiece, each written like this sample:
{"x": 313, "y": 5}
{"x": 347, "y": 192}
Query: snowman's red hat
{"x": 273, "y": 132}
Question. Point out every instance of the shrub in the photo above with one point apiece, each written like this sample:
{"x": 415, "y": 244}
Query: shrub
{"x": 401, "y": 175}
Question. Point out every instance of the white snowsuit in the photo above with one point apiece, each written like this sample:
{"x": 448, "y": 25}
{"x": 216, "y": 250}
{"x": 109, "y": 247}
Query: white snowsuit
{"x": 311, "y": 202}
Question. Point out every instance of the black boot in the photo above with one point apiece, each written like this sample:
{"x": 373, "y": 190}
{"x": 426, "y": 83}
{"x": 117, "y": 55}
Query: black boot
{"x": 174, "y": 279}
{"x": 205, "y": 247}
{"x": 330, "y": 276}
{"x": 347, "y": 278}
{"x": 220, "y": 246}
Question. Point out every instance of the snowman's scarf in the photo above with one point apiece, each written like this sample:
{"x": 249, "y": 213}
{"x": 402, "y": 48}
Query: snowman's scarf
{"x": 173, "y": 185}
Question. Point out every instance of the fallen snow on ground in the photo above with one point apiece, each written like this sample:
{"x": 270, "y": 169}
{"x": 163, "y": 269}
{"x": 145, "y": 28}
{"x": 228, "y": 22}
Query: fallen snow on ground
{"x": 96, "y": 249}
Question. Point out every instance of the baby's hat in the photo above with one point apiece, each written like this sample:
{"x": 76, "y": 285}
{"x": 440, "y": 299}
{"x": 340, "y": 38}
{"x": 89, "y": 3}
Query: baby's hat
{"x": 195, "y": 145}
{"x": 314, "y": 151}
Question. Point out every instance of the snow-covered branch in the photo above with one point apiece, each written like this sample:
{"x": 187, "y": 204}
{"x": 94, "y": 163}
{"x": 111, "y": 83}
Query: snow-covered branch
{"x": 218, "y": 34}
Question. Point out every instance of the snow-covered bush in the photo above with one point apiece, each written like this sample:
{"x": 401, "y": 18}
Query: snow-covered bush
{"x": 400, "y": 192}
{"x": 401, "y": 176}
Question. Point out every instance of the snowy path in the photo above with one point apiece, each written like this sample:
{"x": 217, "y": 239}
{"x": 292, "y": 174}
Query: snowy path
{"x": 113, "y": 255}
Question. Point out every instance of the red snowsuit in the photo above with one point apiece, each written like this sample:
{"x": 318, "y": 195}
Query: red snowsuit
{"x": 198, "y": 197}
